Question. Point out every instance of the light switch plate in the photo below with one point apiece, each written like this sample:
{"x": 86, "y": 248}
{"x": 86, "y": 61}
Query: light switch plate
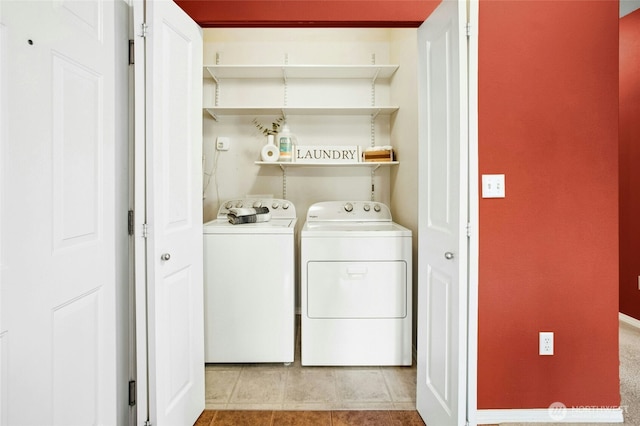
{"x": 493, "y": 186}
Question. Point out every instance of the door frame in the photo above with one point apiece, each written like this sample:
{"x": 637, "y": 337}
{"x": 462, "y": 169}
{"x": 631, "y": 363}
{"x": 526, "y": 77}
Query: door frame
{"x": 473, "y": 213}
{"x": 140, "y": 415}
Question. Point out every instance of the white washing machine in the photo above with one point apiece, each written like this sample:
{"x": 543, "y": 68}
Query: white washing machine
{"x": 356, "y": 287}
{"x": 249, "y": 281}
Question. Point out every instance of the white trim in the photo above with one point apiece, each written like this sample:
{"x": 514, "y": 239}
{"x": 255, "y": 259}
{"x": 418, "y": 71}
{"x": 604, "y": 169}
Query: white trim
{"x": 629, "y": 320}
{"x": 139, "y": 413}
{"x": 543, "y": 415}
{"x": 473, "y": 218}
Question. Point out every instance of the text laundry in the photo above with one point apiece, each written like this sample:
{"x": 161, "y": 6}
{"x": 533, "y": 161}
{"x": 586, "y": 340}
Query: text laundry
{"x": 327, "y": 154}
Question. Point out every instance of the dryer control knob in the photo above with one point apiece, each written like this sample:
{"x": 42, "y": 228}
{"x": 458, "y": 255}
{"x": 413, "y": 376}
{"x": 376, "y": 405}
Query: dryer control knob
{"x": 228, "y": 205}
{"x": 366, "y": 207}
{"x": 285, "y": 206}
{"x": 376, "y": 208}
{"x": 348, "y": 207}
{"x": 257, "y": 204}
{"x": 238, "y": 205}
{"x": 275, "y": 205}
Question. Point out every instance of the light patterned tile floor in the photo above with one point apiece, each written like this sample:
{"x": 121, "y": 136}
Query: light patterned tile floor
{"x": 294, "y": 387}
{"x": 273, "y": 387}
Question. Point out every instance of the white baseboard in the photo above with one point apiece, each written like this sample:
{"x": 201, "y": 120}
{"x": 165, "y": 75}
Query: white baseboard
{"x": 629, "y": 320}
{"x": 546, "y": 415}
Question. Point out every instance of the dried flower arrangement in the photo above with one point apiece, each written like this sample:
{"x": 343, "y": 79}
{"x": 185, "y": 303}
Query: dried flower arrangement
{"x": 270, "y": 129}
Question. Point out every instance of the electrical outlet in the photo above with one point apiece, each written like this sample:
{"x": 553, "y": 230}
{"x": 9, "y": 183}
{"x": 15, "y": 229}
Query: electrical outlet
{"x": 546, "y": 343}
{"x": 222, "y": 143}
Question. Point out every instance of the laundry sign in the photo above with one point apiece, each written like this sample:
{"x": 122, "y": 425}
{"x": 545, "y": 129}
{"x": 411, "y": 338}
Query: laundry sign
{"x": 327, "y": 154}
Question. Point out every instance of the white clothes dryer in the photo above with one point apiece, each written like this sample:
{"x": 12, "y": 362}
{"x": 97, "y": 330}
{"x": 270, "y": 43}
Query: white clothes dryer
{"x": 249, "y": 282}
{"x": 356, "y": 291}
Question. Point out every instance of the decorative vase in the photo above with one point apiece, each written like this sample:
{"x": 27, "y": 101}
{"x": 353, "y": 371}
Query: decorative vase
{"x": 270, "y": 152}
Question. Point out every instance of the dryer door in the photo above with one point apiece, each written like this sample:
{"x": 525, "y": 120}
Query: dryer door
{"x": 357, "y": 289}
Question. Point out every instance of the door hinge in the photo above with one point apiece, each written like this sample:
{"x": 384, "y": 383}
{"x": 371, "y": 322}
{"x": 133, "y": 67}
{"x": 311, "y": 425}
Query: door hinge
{"x": 468, "y": 29}
{"x": 131, "y": 53}
{"x": 132, "y": 393}
{"x": 147, "y": 423}
{"x": 130, "y": 222}
{"x": 468, "y": 230}
{"x": 144, "y": 29}
{"x": 145, "y": 230}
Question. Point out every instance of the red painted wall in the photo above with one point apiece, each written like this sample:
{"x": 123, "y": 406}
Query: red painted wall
{"x": 629, "y": 161}
{"x": 308, "y": 13}
{"x": 548, "y": 119}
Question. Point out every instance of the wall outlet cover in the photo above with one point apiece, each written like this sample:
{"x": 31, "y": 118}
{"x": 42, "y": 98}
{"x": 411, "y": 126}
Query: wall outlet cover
{"x": 222, "y": 143}
{"x": 546, "y": 343}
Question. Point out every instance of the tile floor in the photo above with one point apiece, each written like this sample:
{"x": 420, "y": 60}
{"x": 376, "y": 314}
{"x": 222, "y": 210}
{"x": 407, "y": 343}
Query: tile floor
{"x": 279, "y": 387}
{"x": 294, "y": 387}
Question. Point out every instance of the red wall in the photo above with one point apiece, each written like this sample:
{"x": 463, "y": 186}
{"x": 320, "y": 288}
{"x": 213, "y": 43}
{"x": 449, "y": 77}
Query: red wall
{"x": 548, "y": 119}
{"x": 629, "y": 161}
{"x": 308, "y": 13}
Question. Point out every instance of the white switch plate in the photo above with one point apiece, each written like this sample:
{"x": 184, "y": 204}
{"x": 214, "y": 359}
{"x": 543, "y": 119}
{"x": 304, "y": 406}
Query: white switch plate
{"x": 493, "y": 186}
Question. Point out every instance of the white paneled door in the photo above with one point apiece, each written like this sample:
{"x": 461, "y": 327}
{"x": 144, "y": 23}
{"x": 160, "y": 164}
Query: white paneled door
{"x": 172, "y": 136}
{"x": 443, "y": 187}
{"x": 57, "y": 232}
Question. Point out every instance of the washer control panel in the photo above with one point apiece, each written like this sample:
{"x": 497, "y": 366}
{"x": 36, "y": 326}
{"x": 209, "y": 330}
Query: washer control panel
{"x": 279, "y": 208}
{"x": 360, "y": 211}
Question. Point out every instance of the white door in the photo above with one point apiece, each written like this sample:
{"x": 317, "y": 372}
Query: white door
{"x": 442, "y": 271}
{"x": 58, "y": 219}
{"x": 173, "y": 149}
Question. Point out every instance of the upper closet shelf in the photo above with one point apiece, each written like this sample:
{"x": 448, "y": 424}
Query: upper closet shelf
{"x": 285, "y": 110}
{"x": 372, "y": 72}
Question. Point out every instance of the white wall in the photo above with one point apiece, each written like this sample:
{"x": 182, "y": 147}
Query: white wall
{"x": 404, "y": 134}
{"x": 3, "y": 136}
{"x": 236, "y": 174}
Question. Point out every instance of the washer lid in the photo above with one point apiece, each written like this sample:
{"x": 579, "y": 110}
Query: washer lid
{"x": 274, "y": 226}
